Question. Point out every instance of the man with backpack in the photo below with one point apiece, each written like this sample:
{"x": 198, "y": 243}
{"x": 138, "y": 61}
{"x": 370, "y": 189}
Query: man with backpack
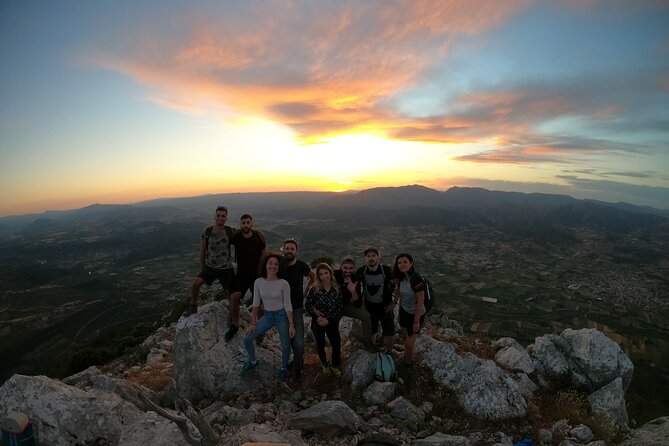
{"x": 250, "y": 246}
{"x": 377, "y": 291}
{"x": 215, "y": 258}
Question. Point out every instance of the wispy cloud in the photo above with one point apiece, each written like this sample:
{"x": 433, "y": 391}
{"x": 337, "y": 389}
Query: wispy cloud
{"x": 320, "y": 69}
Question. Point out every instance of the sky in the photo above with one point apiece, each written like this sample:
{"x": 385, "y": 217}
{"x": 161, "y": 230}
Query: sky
{"x": 122, "y": 101}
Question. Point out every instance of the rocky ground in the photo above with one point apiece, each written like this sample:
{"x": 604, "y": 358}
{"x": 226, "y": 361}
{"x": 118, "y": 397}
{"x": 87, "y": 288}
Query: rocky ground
{"x": 565, "y": 389}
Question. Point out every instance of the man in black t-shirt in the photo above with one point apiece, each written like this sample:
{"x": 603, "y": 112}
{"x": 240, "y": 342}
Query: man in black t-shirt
{"x": 296, "y": 271}
{"x": 377, "y": 291}
{"x": 352, "y": 297}
{"x": 249, "y": 246}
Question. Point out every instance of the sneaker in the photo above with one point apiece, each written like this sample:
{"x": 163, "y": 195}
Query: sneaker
{"x": 336, "y": 371}
{"x": 231, "y": 332}
{"x": 283, "y": 374}
{"x": 326, "y": 370}
{"x": 248, "y": 365}
{"x": 190, "y": 309}
{"x": 259, "y": 339}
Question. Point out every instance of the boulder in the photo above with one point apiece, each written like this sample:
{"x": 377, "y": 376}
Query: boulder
{"x": 67, "y": 415}
{"x": 512, "y": 356}
{"x": 359, "y": 369}
{"x": 586, "y": 357}
{"x": 597, "y": 357}
{"x": 481, "y": 387}
{"x": 205, "y": 365}
{"x": 655, "y": 432}
{"x": 260, "y": 433}
{"x": 608, "y": 404}
{"x": 327, "y": 418}
{"x": 439, "y": 439}
{"x": 379, "y": 393}
{"x": 402, "y": 409}
{"x": 93, "y": 378}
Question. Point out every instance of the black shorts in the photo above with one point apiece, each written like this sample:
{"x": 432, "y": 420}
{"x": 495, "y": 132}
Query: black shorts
{"x": 224, "y": 276}
{"x": 377, "y": 314}
{"x": 406, "y": 321}
{"x": 242, "y": 283}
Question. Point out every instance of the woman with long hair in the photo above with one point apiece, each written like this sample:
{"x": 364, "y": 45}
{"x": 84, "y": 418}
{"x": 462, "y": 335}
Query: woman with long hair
{"x": 273, "y": 292}
{"x": 325, "y": 304}
{"x": 411, "y": 289}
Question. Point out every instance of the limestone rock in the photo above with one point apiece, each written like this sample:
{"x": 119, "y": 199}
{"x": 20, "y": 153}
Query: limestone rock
{"x": 512, "y": 356}
{"x": 405, "y": 411}
{"x": 482, "y": 388}
{"x": 608, "y": 404}
{"x": 581, "y": 434}
{"x": 66, "y": 415}
{"x": 439, "y": 439}
{"x": 597, "y": 357}
{"x": 326, "y": 418}
{"x": 205, "y": 365}
{"x": 359, "y": 369}
{"x": 257, "y": 433}
{"x": 655, "y": 432}
{"x": 586, "y": 357}
{"x": 379, "y": 393}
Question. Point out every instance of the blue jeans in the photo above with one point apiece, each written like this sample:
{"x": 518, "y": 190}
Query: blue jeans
{"x": 297, "y": 343}
{"x": 270, "y": 319}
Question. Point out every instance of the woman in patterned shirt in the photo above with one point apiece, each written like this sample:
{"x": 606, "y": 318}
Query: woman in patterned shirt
{"x": 325, "y": 304}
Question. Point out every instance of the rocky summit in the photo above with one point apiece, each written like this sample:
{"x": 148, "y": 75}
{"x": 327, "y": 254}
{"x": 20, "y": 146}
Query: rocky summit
{"x": 187, "y": 389}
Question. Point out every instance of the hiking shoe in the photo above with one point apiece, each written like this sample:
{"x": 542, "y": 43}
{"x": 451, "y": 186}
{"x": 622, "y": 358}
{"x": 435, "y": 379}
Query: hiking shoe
{"x": 190, "y": 309}
{"x": 259, "y": 339}
{"x": 231, "y": 332}
{"x": 326, "y": 370}
{"x": 336, "y": 371}
{"x": 283, "y": 374}
{"x": 248, "y": 365}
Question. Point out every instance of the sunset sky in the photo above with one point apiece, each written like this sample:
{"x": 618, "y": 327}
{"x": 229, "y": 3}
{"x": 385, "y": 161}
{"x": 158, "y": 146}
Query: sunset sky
{"x": 121, "y": 101}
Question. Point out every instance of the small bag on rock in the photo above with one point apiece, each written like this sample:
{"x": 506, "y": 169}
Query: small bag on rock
{"x": 384, "y": 367}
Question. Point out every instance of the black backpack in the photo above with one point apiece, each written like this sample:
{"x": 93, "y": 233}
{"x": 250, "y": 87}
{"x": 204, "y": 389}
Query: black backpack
{"x": 429, "y": 295}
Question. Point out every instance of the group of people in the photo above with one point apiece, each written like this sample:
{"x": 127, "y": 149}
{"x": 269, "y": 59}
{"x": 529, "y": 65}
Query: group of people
{"x": 276, "y": 281}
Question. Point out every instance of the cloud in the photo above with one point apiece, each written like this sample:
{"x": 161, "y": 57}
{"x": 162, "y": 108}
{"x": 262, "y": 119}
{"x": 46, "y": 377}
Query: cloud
{"x": 318, "y": 68}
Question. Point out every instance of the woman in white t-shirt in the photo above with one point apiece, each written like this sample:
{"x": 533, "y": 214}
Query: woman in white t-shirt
{"x": 273, "y": 292}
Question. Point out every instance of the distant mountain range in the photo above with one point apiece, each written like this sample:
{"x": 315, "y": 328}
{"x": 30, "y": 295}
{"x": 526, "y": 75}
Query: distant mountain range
{"x": 457, "y": 204}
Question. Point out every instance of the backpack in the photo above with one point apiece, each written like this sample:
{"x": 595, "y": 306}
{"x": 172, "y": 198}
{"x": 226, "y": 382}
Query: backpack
{"x": 384, "y": 367}
{"x": 429, "y": 295}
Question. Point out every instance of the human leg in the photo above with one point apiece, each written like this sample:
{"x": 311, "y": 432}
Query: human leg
{"x": 361, "y": 314}
{"x": 282, "y": 324}
{"x": 332, "y": 330}
{"x": 264, "y": 323}
{"x": 388, "y": 330}
{"x": 319, "y": 335}
{"x": 297, "y": 343}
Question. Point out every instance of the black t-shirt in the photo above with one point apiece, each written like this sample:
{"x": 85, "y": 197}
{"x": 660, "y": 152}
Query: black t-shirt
{"x": 248, "y": 251}
{"x": 377, "y": 286}
{"x": 295, "y": 275}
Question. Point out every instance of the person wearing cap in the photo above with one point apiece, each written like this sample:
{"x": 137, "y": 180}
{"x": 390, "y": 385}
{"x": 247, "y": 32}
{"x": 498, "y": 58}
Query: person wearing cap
{"x": 215, "y": 257}
{"x": 352, "y": 301}
{"x": 377, "y": 291}
{"x": 296, "y": 271}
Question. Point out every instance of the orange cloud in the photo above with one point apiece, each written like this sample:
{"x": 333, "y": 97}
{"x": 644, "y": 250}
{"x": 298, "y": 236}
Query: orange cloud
{"x": 321, "y": 71}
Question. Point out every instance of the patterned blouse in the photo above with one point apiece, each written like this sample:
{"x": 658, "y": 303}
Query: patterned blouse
{"x": 330, "y": 303}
